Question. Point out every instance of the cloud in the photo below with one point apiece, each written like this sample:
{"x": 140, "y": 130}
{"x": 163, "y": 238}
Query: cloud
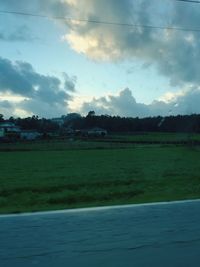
{"x": 124, "y": 104}
{"x": 42, "y": 94}
{"x": 21, "y": 34}
{"x": 16, "y": 5}
{"x": 5, "y": 104}
{"x": 188, "y": 102}
{"x": 43, "y": 7}
{"x": 69, "y": 82}
{"x": 6, "y": 108}
{"x": 13, "y": 79}
{"x": 25, "y": 28}
{"x": 175, "y": 54}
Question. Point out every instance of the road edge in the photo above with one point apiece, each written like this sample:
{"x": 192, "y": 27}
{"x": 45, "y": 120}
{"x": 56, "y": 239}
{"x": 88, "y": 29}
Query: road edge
{"x": 101, "y": 208}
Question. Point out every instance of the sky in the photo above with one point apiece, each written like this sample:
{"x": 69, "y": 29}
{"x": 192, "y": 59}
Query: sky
{"x": 51, "y": 67}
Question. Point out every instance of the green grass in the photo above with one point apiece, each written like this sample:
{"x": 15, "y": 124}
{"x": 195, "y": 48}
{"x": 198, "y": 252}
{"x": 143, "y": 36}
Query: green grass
{"x": 70, "y": 178}
{"x": 157, "y": 136}
{"x": 63, "y": 145}
{"x": 106, "y": 143}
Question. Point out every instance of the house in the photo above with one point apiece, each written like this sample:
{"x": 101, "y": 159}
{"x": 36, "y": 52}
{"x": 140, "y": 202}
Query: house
{"x": 96, "y": 131}
{"x": 29, "y": 135}
{"x": 9, "y": 130}
{"x": 10, "y": 127}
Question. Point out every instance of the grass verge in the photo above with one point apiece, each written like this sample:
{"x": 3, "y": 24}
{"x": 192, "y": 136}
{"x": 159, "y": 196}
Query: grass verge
{"x": 47, "y": 180}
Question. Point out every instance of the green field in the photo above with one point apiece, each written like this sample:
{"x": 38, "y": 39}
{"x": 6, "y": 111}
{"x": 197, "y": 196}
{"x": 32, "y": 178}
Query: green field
{"x": 46, "y": 176}
{"x": 64, "y": 145}
{"x": 157, "y": 136}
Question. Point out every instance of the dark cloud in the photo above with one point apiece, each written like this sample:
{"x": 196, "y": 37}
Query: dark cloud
{"x": 43, "y": 7}
{"x": 24, "y": 25}
{"x": 125, "y": 104}
{"x": 56, "y": 8}
{"x": 6, "y": 108}
{"x": 188, "y": 103}
{"x": 70, "y": 82}
{"x": 12, "y": 79}
{"x": 41, "y": 91}
{"x": 19, "y": 5}
{"x": 5, "y": 104}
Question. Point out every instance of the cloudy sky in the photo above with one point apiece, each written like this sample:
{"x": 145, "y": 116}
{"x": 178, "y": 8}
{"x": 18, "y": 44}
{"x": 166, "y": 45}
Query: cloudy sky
{"x": 51, "y": 66}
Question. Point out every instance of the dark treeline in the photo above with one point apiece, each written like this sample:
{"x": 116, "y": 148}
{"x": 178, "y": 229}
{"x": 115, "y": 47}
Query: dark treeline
{"x": 34, "y": 123}
{"x": 180, "y": 123}
{"x": 187, "y": 123}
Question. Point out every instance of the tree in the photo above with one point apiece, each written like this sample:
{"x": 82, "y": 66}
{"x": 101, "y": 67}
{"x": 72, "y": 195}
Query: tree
{"x": 1, "y": 118}
{"x": 91, "y": 113}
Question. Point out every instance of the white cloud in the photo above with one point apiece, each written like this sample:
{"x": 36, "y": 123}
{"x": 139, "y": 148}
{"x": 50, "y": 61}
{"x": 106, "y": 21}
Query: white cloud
{"x": 175, "y": 53}
{"x": 171, "y": 96}
{"x": 11, "y": 97}
{"x": 124, "y": 104}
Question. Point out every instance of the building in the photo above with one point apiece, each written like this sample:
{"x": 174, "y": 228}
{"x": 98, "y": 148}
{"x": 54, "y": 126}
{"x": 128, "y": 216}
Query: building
{"x": 10, "y": 127}
{"x": 9, "y": 130}
{"x": 97, "y": 132}
{"x": 94, "y": 132}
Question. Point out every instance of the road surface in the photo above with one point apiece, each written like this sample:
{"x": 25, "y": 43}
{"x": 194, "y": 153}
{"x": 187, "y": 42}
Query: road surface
{"x": 164, "y": 235}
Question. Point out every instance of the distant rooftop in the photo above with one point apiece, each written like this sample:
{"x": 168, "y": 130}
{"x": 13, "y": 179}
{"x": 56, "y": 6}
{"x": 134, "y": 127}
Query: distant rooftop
{"x": 7, "y": 124}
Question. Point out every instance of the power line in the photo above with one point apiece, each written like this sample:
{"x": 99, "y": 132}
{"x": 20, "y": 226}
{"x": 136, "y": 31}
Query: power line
{"x": 189, "y": 1}
{"x": 103, "y": 22}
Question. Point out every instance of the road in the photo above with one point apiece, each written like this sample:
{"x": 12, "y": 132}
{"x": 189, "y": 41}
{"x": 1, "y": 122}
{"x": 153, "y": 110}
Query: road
{"x": 164, "y": 235}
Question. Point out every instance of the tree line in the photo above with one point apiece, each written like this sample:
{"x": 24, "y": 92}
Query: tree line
{"x": 74, "y": 121}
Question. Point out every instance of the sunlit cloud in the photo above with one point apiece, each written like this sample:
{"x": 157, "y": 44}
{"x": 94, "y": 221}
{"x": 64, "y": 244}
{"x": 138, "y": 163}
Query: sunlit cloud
{"x": 174, "y": 53}
{"x": 11, "y": 98}
{"x": 22, "y": 113}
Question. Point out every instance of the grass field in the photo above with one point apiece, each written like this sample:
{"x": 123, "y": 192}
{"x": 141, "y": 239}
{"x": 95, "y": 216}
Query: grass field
{"x": 95, "y": 174}
{"x": 158, "y": 136}
{"x": 67, "y": 144}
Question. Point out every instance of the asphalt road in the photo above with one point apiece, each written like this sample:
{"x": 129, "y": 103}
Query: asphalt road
{"x": 164, "y": 235}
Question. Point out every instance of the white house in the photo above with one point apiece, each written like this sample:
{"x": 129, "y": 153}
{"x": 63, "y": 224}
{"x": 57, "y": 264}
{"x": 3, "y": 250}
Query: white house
{"x": 9, "y": 127}
{"x": 96, "y": 131}
{"x": 9, "y": 130}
